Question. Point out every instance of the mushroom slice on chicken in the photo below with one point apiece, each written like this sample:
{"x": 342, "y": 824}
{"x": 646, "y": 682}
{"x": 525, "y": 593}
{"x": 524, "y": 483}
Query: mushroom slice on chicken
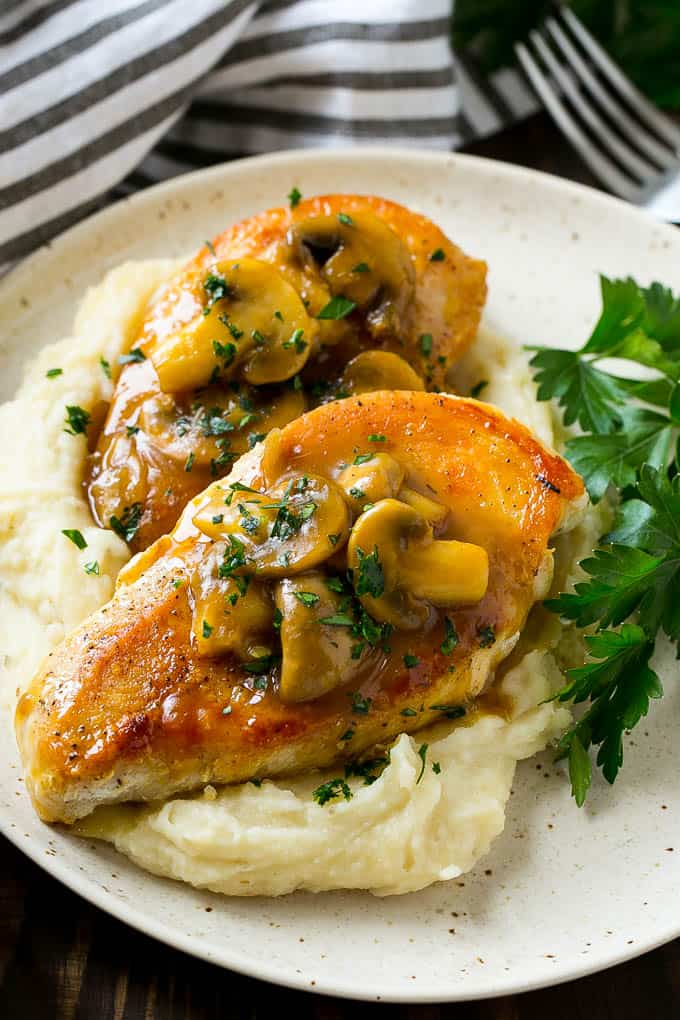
{"x": 286, "y": 624}
{"x": 343, "y": 295}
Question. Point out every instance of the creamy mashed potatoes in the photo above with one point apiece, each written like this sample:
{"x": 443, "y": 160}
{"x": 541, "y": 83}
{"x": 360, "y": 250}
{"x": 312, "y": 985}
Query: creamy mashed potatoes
{"x": 414, "y": 825}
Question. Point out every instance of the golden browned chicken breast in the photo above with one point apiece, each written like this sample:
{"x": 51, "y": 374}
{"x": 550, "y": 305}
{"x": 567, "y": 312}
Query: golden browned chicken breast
{"x": 343, "y": 294}
{"x": 359, "y": 574}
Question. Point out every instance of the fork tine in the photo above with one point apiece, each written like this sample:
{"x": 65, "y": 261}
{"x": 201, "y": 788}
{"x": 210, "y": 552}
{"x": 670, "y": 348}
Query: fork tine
{"x": 662, "y": 124}
{"x": 633, "y": 129}
{"x": 600, "y": 164}
{"x": 604, "y": 134}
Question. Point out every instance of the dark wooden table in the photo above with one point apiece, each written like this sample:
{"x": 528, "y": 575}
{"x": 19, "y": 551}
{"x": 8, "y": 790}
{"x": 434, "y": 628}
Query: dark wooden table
{"x": 62, "y": 959}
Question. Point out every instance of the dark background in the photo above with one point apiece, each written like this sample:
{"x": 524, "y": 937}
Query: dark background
{"x": 62, "y": 959}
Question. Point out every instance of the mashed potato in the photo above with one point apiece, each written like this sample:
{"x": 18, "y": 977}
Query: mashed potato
{"x": 399, "y": 834}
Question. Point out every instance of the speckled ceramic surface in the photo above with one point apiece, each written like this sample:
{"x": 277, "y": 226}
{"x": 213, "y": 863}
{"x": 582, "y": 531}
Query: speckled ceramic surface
{"x": 563, "y": 892}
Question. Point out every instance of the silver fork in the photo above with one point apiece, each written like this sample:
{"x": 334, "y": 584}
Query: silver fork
{"x": 627, "y": 143}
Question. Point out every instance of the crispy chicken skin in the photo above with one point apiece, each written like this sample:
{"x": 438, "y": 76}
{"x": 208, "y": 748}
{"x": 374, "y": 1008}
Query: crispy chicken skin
{"x": 408, "y": 280}
{"x": 126, "y": 709}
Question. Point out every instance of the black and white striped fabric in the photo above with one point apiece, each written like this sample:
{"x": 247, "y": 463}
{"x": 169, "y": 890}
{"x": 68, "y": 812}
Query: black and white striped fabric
{"x": 100, "y": 98}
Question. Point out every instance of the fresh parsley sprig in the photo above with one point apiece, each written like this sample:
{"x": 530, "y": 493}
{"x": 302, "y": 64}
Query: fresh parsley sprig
{"x": 629, "y": 448}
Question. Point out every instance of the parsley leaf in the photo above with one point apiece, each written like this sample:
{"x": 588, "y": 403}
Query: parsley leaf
{"x": 127, "y": 525}
{"x": 307, "y": 598}
{"x": 77, "y": 419}
{"x": 332, "y": 790}
{"x": 371, "y": 580}
{"x": 613, "y": 459}
{"x": 619, "y": 683}
{"x": 294, "y": 197}
{"x": 76, "y": 537}
{"x": 337, "y": 308}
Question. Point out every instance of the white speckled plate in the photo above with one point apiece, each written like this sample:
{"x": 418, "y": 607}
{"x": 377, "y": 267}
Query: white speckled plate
{"x": 563, "y": 892}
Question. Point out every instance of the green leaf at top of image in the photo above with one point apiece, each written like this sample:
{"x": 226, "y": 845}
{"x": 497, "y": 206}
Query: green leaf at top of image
{"x": 642, "y": 37}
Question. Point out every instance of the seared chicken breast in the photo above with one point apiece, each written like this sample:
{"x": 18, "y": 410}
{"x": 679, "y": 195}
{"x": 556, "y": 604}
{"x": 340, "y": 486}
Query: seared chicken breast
{"x": 359, "y": 574}
{"x": 342, "y": 294}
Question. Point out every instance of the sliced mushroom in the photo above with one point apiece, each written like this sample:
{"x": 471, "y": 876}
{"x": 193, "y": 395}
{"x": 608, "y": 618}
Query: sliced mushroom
{"x": 362, "y": 259}
{"x": 370, "y": 480}
{"x": 316, "y": 656}
{"x": 230, "y": 614}
{"x": 294, "y": 526}
{"x": 434, "y": 513}
{"x": 400, "y": 570}
{"x": 253, "y": 324}
{"x": 379, "y": 370}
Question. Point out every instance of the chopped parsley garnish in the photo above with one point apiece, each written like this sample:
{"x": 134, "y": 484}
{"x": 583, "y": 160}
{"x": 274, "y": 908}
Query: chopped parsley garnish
{"x": 52, "y": 373}
{"x": 425, "y": 344}
{"x": 346, "y": 220}
{"x": 337, "y": 620}
{"x": 237, "y": 487}
{"x": 131, "y": 430}
{"x": 75, "y": 536}
{"x": 437, "y": 255}
{"x": 334, "y": 584}
{"x": 357, "y": 493}
{"x": 91, "y": 568}
{"x": 225, "y": 351}
{"x": 478, "y": 387}
{"x": 307, "y": 598}
{"x": 333, "y": 539}
{"x": 436, "y": 768}
{"x": 259, "y": 666}
{"x": 450, "y": 637}
{"x": 258, "y": 337}
{"x": 249, "y": 522}
{"x": 207, "y": 629}
{"x": 135, "y": 355}
{"x": 361, "y": 267}
{"x": 411, "y": 661}
{"x": 227, "y": 710}
{"x": 210, "y": 247}
{"x": 332, "y": 790}
{"x": 371, "y": 579}
{"x": 486, "y": 635}
{"x": 77, "y": 419}
{"x": 189, "y": 462}
{"x": 234, "y": 557}
{"x": 449, "y": 711}
{"x": 408, "y": 712}
{"x": 337, "y": 308}
{"x": 422, "y": 751}
{"x": 347, "y": 735}
{"x": 217, "y": 518}
{"x": 361, "y": 705}
{"x": 127, "y": 525}
{"x": 296, "y": 341}
{"x": 277, "y": 315}
{"x": 363, "y": 458}
{"x": 277, "y": 619}
{"x": 231, "y": 326}
{"x": 294, "y": 197}
{"x": 365, "y": 770}
{"x": 377, "y": 437}
{"x": 216, "y": 287}
{"x": 254, "y": 438}
{"x": 105, "y": 367}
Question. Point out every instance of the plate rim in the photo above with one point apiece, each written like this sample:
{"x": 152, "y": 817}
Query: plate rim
{"x": 231, "y": 958}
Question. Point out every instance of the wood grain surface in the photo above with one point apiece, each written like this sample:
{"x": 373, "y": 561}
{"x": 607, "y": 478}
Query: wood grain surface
{"x": 63, "y": 959}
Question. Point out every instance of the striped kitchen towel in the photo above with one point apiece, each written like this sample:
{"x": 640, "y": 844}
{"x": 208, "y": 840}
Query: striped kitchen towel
{"x": 98, "y": 99}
